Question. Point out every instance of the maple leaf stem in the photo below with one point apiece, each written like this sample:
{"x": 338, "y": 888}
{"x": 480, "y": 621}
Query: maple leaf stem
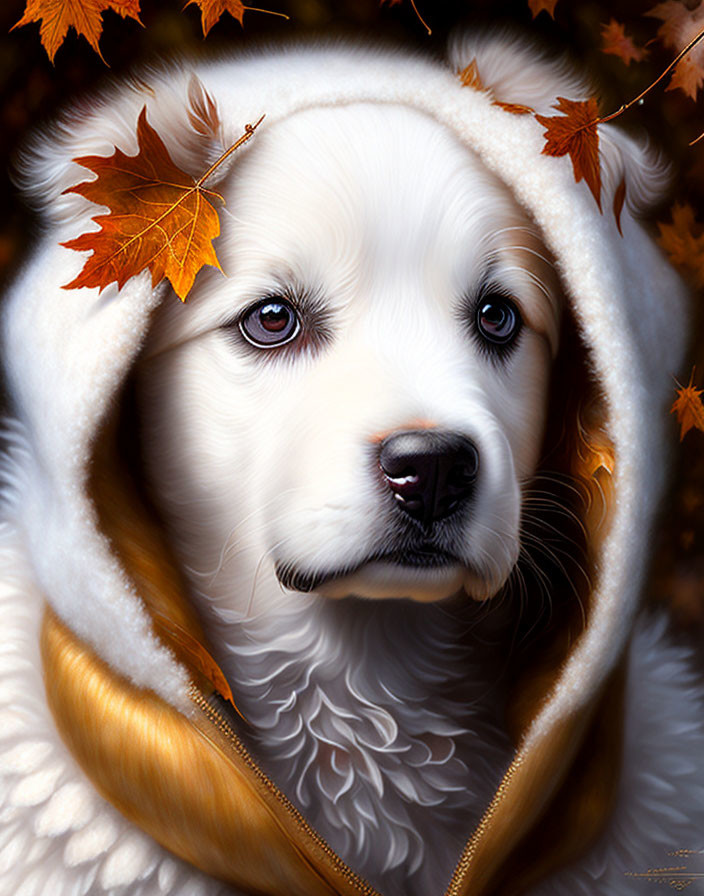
{"x": 249, "y": 130}
{"x": 625, "y": 106}
{"x": 268, "y": 11}
{"x": 420, "y": 17}
{"x": 196, "y": 188}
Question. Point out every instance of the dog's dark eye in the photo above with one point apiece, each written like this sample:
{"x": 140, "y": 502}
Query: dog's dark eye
{"x": 270, "y": 323}
{"x": 498, "y": 319}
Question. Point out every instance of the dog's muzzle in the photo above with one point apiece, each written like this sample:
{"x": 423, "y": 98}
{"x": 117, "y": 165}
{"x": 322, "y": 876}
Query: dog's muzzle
{"x": 431, "y": 475}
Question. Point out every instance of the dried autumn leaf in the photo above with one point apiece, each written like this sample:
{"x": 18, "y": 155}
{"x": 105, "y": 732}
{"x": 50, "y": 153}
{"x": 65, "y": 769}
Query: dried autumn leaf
{"x": 574, "y": 133}
{"x": 680, "y": 26}
{"x": 689, "y": 408}
{"x": 619, "y": 199}
{"x": 200, "y": 658}
{"x": 598, "y": 454}
{"x": 538, "y": 6}
{"x": 212, "y": 10}
{"x": 203, "y": 112}
{"x": 683, "y": 240}
{"x": 514, "y": 108}
{"x": 160, "y": 218}
{"x": 85, "y": 16}
{"x": 601, "y": 458}
{"x": 618, "y": 43}
{"x": 469, "y": 76}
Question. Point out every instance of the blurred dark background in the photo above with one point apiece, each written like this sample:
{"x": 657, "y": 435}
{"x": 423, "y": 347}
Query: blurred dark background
{"x": 32, "y": 90}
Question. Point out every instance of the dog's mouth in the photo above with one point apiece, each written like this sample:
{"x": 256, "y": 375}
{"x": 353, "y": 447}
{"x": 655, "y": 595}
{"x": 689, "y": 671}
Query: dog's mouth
{"x": 422, "y": 571}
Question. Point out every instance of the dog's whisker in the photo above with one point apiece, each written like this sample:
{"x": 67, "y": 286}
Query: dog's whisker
{"x": 540, "y": 547}
{"x": 253, "y": 533}
{"x": 522, "y": 248}
{"x": 563, "y": 480}
{"x": 539, "y": 521}
{"x": 267, "y": 553}
{"x": 533, "y": 278}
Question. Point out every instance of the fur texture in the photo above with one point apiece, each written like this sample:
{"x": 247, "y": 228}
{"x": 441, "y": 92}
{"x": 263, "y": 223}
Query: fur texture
{"x": 386, "y": 234}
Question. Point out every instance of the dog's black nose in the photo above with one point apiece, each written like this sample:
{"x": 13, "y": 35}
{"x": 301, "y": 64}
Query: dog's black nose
{"x": 430, "y": 472}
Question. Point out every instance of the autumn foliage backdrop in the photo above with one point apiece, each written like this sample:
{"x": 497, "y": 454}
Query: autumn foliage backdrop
{"x": 625, "y": 45}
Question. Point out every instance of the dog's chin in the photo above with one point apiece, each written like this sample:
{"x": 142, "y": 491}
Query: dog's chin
{"x": 423, "y": 572}
{"x": 380, "y": 580}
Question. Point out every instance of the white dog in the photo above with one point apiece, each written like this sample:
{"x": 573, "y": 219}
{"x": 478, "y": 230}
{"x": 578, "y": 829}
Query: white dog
{"x": 351, "y": 416}
{"x": 399, "y": 455}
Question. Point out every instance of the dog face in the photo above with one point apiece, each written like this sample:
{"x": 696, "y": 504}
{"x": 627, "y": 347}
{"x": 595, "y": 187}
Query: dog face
{"x": 352, "y": 410}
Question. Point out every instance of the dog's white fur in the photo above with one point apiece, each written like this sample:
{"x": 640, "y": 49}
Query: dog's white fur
{"x": 379, "y": 724}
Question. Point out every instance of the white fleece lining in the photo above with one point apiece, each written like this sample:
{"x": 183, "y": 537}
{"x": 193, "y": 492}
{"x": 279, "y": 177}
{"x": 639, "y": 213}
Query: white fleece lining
{"x": 623, "y": 294}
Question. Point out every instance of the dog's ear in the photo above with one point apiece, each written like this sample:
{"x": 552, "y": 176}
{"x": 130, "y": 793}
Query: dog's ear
{"x": 202, "y": 137}
{"x": 527, "y": 76}
{"x": 516, "y": 71}
{"x": 182, "y": 111}
{"x": 634, "y": 163}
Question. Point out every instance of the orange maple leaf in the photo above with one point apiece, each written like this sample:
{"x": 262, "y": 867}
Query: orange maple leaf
{"x": 538, "y": 6}
{"x": 212, "y": 10}
{"x": 689, "y": 408}
{"x": 197, "y": 655}
{"x": 680, "y": 26}
{"x": 160, "y": 218}
{"x": 596, "y": 453}
{"x": 618, "y": 43}
{"x": 683, "y": 240}
{"x": 575, "y": 134}
{"x": 514, "y": 108}
{"x": 469, "y": 76}
{"x": 85, "y": 16}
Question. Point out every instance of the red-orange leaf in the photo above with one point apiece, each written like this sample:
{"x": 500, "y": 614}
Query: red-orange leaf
{"x": 469, "y": 76}
{"x": 537, "y": 6}
{"x": 86, "y": 16}
{"x": 197, "y": 655}
{"x": 596, "y": 452}
{"x": 680, "y": 26}
{"x": 514, "y": 108}
{"x": 203, "y": 112}
{"x": 618, "y": 43}
{"x": 161, "y": 218}
{"x": 212, "y": 10}
{"x": 689, "y": 408}
{"x": 619, "y": 199}
{"x": 574, "y": 133}
{"x": 683, "y": 240}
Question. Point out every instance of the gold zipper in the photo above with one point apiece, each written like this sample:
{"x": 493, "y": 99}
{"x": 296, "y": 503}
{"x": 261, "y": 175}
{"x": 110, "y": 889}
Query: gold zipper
{"x": 469, "y": 850}
{"x": 214, "y": 716}
{"x": 358, "y": 882}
